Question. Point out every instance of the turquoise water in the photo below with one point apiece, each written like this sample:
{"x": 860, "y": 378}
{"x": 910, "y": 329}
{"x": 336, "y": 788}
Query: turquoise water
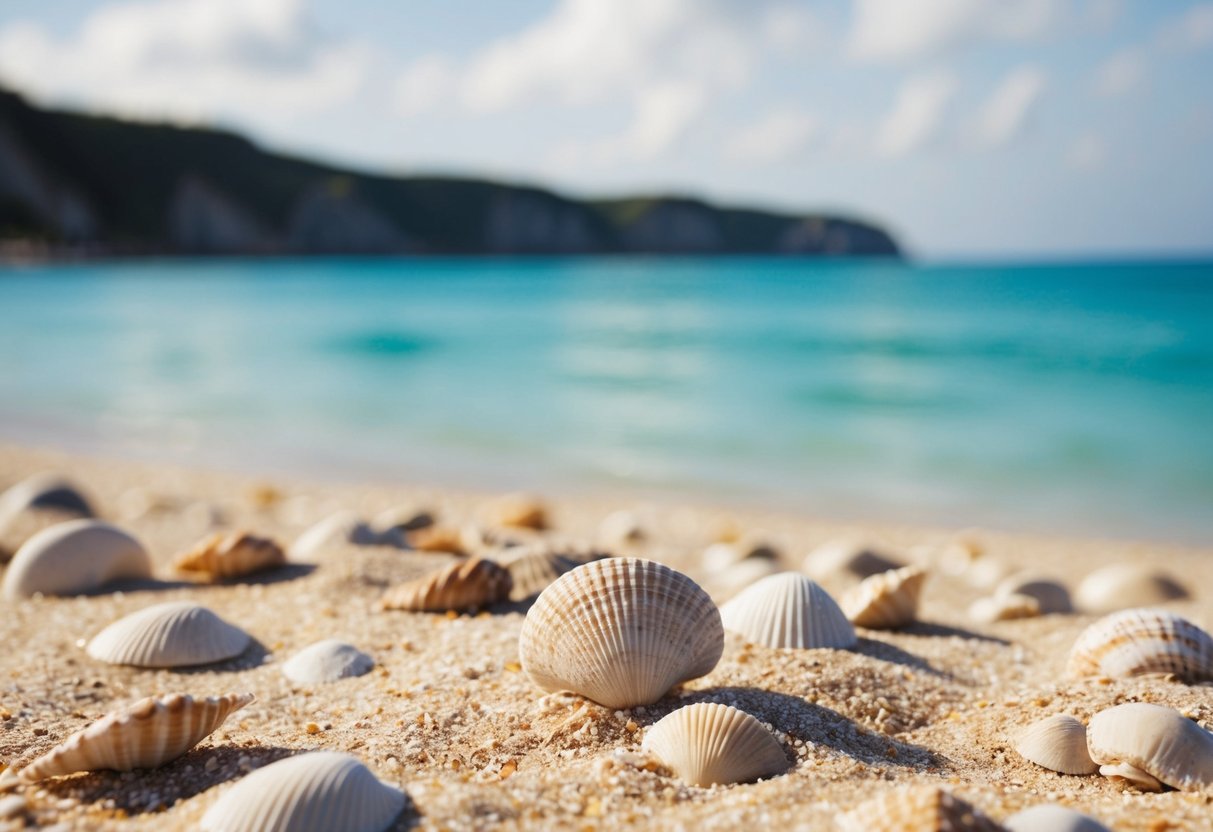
{"x": 1076, "y": 397}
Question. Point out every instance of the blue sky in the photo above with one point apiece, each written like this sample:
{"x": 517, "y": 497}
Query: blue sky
{"x": 969, "y": 127}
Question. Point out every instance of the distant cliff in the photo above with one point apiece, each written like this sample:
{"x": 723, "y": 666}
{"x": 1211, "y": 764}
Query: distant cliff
{"x": 109, "y": 186}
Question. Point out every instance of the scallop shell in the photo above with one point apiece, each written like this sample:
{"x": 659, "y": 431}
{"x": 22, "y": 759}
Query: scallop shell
{"x": 337, "y": 530}
{"x": 74, "y": 557}
{"x": 621, "y": 528}
{"x": 1050, "y": 595}
{"x": 147, "y": 734}
{"x": 849, "y": 557}
{"x": 1004, "y": 608}
{"x": 1059, "y": 743}
{"x": 1134, "y": 642}
{"x": 314, "y": 792}
{"x": 1162, "y": 743}
{"x": 620, "y": 631}
{"x": 917, "y": 809}
{"x": 788, "y": 610}
{"x": 327, "y": 661}
{"x": 706, "y": 743}
{"x": 174, "y": 634}
{"x": 464, "y": 585}
{"x": 231, "y": 555}
{"x": 1051, "y": 818}
{"x": 1124, "y": 585}
{"x": 523, "y": 511}
{"x": 532, "y": 571}
{"x": 886, "y": 600}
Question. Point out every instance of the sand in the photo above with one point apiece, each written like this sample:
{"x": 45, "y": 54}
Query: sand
{"x": 448, "y": 715}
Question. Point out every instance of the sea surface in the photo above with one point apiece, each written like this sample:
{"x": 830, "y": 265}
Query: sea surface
{"x": 1075, "y": 397}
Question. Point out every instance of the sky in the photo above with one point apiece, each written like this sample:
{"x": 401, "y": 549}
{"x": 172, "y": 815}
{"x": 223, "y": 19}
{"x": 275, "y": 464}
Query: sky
{"x": 969, "y": 128}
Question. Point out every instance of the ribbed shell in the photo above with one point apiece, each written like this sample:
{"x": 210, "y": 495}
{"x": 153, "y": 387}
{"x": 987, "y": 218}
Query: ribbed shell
{"x": 320, "y": 791}
{"x": 147, "y": 734}
{"x": 1051, "y": 595}
{"x": 174, "y": 634}
{"x": 788, "y": 610}
{"x": 534, "y": 569}
{"x": 1059, "y": 743}
{"x": 707, "y": 743}
{"x": 231, "y": 555}
{"x": 1050, "y": 818}
{"x": 327, "y": 661}
{"x": 74, "y": 557}
{"x": 1159, "y": 741}
{"x": 1004, "y": 608}
{"x": 464, "y": 585}
{"x": 917, "y": 809}
{"x": 1124, "y": 585}
{"x": 846, "y": 557}
{"x": 886, "y": 600}
{"x": 339, "y": 529}
{"x": 522, "y": 511}
{"x": 620, "y": 631}
{"x": 1134, "y": 642}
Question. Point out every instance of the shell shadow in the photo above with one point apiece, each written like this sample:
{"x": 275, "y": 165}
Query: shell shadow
{"x": 279, "y": 574}
{"x": 926, "y": 628}
{"x": 140, "y": 585}
{"x": 885, "y": 652}
{"x": 253, "y": 656}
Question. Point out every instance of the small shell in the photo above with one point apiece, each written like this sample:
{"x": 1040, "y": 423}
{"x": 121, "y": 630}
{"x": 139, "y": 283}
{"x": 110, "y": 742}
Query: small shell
{"x": 523, "y": 511}
{"x": 621, "y": 528}
{"x": 74, "y": 557}
{"x": 327, "y": 661}
{"x": 174, "y": 634}
{"x": 886, "y": 600}
{"x": 532, "y": 571}
{"x": 49, "y": 492}
{"x": 706, "y": 743}
{"x": 720, "y": 556}
{"x": 314, "y": 792}
{"x": 1059, "y": 743}
{"x": 1160, "y": 742}
{"x": 403, "y": 519}
{"x": 1052, "y": 818}
{"x": 620, "y": 631}
{"x": 464, "y": 585}
{"x": 438, "y": 539}
{"x": 231, "y": 555}
{"x": 847, "y": 557}
{"x": 917, "y": 809}
{"x": 788, "y": 610}
{"x": 1051, "y": 595}
{"x": 1004, "y": 608}
{"x": 1134, "y": 642}
{"x": 1124, "y": 585}
{"x": 146, "y": 735}
{"x": 339, "y": 529}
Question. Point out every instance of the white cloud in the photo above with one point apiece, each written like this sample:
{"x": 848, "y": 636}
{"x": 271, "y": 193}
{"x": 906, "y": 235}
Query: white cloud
{"x": 1087, "y": 152}
{"x": 663, "y": 113}
{"x": 904, "y": 30}
{"x": 1191, "y": 30}
{"x": 917, "y": 112}
{"x": 1120, "y": 74}
{"x": 1006, "y": 112}
{"x": 426, "y": 83}
{"x": 778, "y": 136}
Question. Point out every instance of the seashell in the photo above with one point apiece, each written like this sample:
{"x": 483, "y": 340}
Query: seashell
{"x": 788, "y": 610}
{"x": 741, "y": 574}
{"x": 621, "y": 528}
{"x": 1148, "y": 744}
{"x": 1133, "y": 642}
{"x": 720, "y": 556}
{"x": 1124, "y": 585}
{"x": 917, "y": 809}
{"x": 886, "y": 600}
{"x": 533, "y": 571}
{"x": 443, "y": 539}
{"x": 620, "y": 631}
{"x": 522, "y": 511}
{"x": 231, "y": 555}
{"x": 147, "y": 734}
{"x": 464, "y": 585}
{"x": 1004, "y": 608}
{"x": 403, "y": 519}
{"x": 48, "y": 492}
{"x": 327, "y": 661}
{"x": 1052, "y": 818}
{"x": 313, "y": 792}
{"x": 74, "y": 557}
{"x": 707, "y": 743}
{"x": 849, "y": 557}
{"x": 174, "y": 634}
{"x": 338, "y": 529}
{"x": 1050, "y": 595}
{"x": 1059, "y": 743}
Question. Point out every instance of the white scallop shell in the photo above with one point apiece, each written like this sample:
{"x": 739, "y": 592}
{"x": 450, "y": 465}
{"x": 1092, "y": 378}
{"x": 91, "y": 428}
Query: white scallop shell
{"x": 338, "y": 529}
{"x": 1124, "y": 585}
{"x": 74, "y": 557}
{"x": 788, "y": 610}
{"x": 886, "y": 600}
{"x": 1051, "y": 595}
{"x": 915, "y": 808}
{"x": 707, "y": 743}
{"x": 847, "y": 557}
{"x": 1051, "y": 818}
{"x": 1134, "y": 642}
{"x": 620, "y": 631}
{"x": 1003, "y": 608}
{"x": 173, "y": 634}
{"x": 147, "y": 734}
{"x": 327, "y": 661}
{"x": 1059, "y": 743}
{"x": 319, "y": 791}
{"x": 1159, "y": 741}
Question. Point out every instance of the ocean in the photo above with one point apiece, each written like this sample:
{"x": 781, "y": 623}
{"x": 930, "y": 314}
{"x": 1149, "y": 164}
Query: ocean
{"x": 1074, "y": 398}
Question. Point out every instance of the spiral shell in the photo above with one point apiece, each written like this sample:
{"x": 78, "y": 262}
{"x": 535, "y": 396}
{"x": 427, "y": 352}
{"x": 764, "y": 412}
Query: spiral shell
{"x": 1136, "y": 739}
{"x": 788, "y": 610}
{"x": 222, "y": 556}
{"x": 1134, "y": 642}
{"x": 707, "y": 743}
{"x": 147, "y": 734}
{"x": 315, "y": 792}
{"x": 464, "y": 585}
{"x": 917, "y": 809}
{"x": 1051, "y": 818}
{"x": 327, "y": 661}
{"x": 1124, "y": 585}
{"x": 847, "y": 557}
{"x": 533, "y": 569}
{"x": 1059, "y": 743}
{"x": 173, "y": 634}
{"x": 74, "y": 557}
{"x": 886, "y": 600}
{"x": 620, "y": 631}
{"x": 1051, "y": 596}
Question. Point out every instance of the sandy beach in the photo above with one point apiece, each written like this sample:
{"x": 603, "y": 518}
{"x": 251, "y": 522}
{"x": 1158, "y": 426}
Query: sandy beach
{"x": 448, "y": 715}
